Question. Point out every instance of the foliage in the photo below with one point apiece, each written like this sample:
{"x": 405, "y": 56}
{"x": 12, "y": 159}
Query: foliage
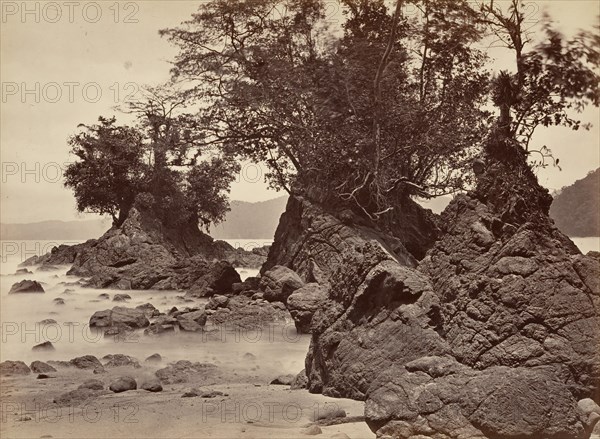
{"x": 553, "y": 80}
{"x": 110, "y": 170}
{"x": 392, "y": 106}
{"x": 156, "y": 164}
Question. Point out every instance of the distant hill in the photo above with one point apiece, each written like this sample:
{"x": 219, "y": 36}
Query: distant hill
{"x": 251, "y": 220}
{"x": 244, "y": 221}
{"x": 576, "y": 209}
{"x": 51, "y": 230}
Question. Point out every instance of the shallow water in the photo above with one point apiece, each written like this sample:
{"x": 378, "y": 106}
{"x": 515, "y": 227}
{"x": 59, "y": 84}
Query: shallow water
{"x": 72, "y": 336}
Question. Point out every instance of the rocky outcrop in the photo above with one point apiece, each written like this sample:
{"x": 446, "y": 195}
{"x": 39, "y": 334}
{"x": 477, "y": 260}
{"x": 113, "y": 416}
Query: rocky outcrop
{"x": 144, "y": 253}
{"x": 493, "y": 335}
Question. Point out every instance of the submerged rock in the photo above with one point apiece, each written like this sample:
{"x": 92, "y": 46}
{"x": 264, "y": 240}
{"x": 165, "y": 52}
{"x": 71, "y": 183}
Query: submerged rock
{"x": 45, "y": 346}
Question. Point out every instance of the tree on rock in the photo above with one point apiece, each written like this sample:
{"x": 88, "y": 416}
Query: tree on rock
{"x": 156, "y": 165}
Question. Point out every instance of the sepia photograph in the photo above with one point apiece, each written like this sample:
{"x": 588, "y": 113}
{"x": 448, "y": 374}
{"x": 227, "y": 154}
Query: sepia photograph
{"x": 284, "y": 219}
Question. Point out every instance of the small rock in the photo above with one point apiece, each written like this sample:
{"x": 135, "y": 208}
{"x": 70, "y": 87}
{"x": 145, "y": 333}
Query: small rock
{"x": 123, "y": 384}
{"x": 43, "y": 376}
{"x": 59, "y": 301}
{"x": 152, "y": 385}
{"x": 249, "y": 357}
{"x": 121, "y": 297}
{"x": 285, "y": 380}
{"x": 45, "y": 346}
{"x": 154, "y": 358}
{"x": 41, "y": 367}
{"x": 47, "y": 322}
{"x": 104, "y": 296}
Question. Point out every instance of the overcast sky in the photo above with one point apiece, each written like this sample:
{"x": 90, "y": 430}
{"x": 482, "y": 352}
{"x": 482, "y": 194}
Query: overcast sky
{"x": 61, "y": 70}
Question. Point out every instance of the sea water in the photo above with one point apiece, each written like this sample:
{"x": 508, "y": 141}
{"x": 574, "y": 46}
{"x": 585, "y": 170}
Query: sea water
{"x": 278, "y": 348}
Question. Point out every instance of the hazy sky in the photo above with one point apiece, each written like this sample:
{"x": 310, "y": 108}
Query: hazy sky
{"x": 68, "y": 65}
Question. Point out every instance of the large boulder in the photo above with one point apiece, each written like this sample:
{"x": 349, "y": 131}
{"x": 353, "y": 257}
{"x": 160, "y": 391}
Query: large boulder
{"x": 26, "y": 286}
{"x": 303, "y": 303}
{"x": 279, "y": 282}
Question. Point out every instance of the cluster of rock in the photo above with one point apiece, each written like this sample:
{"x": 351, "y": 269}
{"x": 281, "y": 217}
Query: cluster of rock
{"x": 494, "y": 333}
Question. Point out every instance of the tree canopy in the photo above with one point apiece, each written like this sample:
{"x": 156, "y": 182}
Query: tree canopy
{"x": 382, "y": 107}
{"x": 156, "y": 164}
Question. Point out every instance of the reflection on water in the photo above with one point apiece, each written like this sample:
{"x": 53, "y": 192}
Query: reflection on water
{"x": 72, "y": 337}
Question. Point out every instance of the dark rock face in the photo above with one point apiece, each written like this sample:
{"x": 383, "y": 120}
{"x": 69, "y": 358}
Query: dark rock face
{"x": 26, "y": 286}
{"x": 311, "y": 241}
{"x": 520, "y": 299}
{"x": 493, "y": 335}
